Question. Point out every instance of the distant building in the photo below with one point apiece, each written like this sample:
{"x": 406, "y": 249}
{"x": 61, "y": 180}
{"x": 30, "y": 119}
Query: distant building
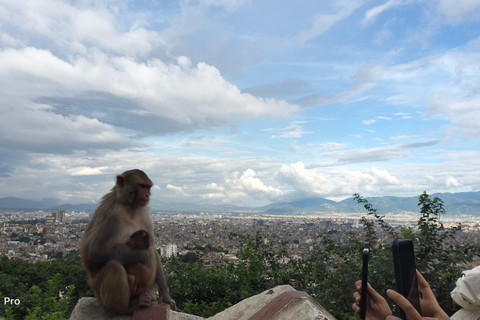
{"x": 169, "y": 250}
{"x": 49, "y": 219}
{"x": 59, "y": 215}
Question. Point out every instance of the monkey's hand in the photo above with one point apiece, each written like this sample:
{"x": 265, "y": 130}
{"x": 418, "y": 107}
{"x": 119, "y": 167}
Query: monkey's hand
{"x": 171, "y": 302}
{"x": 139, "y": 240}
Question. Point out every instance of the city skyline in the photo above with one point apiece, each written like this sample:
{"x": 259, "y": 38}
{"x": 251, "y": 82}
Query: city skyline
{"x": 239, "y": 102}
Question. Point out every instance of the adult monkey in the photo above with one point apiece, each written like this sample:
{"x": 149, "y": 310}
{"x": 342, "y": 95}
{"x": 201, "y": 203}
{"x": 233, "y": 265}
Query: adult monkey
{"x": 116, "y": 248}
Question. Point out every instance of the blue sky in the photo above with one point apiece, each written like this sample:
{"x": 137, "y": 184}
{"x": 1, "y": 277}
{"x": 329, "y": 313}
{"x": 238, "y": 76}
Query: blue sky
{"x": 239, "y": 102}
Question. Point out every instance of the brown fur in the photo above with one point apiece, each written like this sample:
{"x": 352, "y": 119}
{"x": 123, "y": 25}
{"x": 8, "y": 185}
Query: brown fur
{"x": 116, "y": 247}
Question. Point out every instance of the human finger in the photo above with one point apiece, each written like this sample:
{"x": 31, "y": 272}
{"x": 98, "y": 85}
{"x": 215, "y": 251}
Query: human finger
{"x": 356, "y": 308}
{"x": 357, "y": 296}
{"x": 405, "y": 305}
{"x": 425, "y": 287}
{"x": 372, "y": 293}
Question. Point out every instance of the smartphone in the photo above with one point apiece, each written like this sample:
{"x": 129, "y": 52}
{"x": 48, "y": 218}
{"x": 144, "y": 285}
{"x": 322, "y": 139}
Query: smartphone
{"x": 363, "y": 299}
{"x": 406, "y": 272}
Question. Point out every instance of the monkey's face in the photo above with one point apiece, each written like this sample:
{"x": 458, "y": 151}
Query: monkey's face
{"x": 143, "y": 194}
{"x": 133, "y": 188}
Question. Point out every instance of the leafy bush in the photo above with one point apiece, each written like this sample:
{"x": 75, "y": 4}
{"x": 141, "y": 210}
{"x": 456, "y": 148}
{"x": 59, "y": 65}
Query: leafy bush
{"x": 18, "y": 278}
{"x": 50, "y": 303}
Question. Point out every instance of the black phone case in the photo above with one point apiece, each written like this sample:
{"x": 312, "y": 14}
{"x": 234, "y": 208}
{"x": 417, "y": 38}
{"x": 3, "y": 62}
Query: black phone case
{"x": 406, "y": 272}
{"x": 363, "y": 300}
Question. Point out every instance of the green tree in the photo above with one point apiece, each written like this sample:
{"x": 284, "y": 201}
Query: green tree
{"x": 51, "y": 303}
{"x": 189, "y": 257}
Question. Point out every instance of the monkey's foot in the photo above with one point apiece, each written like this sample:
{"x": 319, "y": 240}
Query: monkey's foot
{"x": 145, "y": 299}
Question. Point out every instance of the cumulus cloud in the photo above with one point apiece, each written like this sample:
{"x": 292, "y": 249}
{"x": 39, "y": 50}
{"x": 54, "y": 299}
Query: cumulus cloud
{"x": 310, "y": 182}
{"x": 248, "y": 182}
{"x": 36, "y": 128}
{"x": 76, "y": 28}
{"x": 451, "y": 182}
{"x": 177, "y": 191}
{"x": 176, "y": 91}
{"x": 90, "y": 83}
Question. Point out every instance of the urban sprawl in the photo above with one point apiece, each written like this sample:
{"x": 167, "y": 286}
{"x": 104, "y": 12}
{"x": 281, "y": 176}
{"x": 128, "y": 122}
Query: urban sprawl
{"x": 42, "y": 236}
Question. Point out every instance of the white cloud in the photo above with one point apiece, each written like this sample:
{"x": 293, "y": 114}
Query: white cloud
{"x": 195, "y": 95}
{"x": 75, "y": 27}
{"x": 294, "y": 147}
{"x": 327, "y": 146}
{"x": 398, "y": 99}
{"x": 383, "y": 177}
{"x": 321, "y": 22}
{"x": 451, "y": 182}
{"x": 463, "y": 115}
{"x": 250, "y": 183}
{"x": 35, "y": 127}
{"x": 457, "y": 12}
{"x": 292, "y": 131}
{"x": 403, "y": 137}
{"x": 177, "y": 191}
{"x": 87, "y": 171}
{"x": 369, "y": 122}
{"x": 378, "y": 154}
{"x": 309, "y": 182}
{"x": 372, "y": 14}
{"x": 364, "y": 79}
{"x": 229, "y": 5}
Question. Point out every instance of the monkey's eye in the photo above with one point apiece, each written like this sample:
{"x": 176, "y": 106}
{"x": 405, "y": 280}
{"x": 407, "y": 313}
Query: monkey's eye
{"x": 145, "y": 186}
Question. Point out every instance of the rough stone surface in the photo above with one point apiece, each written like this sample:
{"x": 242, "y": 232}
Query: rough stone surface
{"x": 245, "y": 309}
{"x": 91, "y": 308}
{"x": 279, "y": 303}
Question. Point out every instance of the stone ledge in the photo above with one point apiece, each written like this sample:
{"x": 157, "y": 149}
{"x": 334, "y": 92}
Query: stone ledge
{"x": 279, "y": 303}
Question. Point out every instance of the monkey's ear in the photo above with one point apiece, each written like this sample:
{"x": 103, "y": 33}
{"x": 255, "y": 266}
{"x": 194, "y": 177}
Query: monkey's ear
{"x": 120, "y": 181}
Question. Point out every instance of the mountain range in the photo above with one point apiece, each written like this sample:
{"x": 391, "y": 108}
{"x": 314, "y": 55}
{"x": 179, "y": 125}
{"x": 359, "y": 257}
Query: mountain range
{"x": 455, "y": 203}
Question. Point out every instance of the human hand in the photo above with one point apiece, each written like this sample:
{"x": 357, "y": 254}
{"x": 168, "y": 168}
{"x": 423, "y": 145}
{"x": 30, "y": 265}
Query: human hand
{"x": 431, "y": 310}
{"x": 377, "y": 307}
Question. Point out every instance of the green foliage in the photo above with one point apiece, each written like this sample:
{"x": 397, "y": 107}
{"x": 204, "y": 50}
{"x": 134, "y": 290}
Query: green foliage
{"x": 17, "y": 277}
{"x": 190, "y": 257}
{"x": 197, "y": 290}
{"x": 51, "y": 303}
